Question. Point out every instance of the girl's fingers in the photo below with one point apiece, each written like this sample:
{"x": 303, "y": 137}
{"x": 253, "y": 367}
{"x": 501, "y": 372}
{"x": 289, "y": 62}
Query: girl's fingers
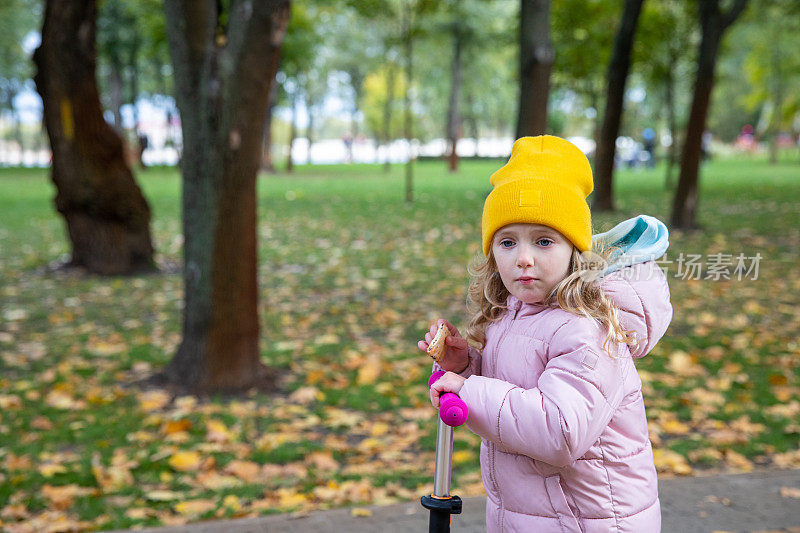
{"x": 422, "y": 346}
{"x": 456, "y": 342}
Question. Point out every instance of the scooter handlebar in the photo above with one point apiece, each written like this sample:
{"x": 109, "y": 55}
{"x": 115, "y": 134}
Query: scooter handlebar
{"x": 452, "y": 409}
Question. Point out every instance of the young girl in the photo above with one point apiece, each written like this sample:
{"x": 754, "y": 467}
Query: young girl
{"x": 551, "y": 387}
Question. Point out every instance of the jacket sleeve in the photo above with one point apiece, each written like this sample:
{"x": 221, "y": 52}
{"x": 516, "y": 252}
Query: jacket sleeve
{"x": 473, "y": 367}
{"x": 559, "y": 420}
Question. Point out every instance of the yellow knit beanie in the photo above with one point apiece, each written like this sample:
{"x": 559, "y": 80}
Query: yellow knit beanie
{"x": 546, "y": 181}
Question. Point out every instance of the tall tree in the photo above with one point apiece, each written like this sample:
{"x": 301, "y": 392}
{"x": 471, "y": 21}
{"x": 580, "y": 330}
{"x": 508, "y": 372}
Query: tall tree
{"x": 297, "y": 57}
{"x": 536, "y": 56}
{"x": 107, "y": 217}
{"x": 662, "y": 56}
{"x": 772, "y": 68}
{"x": 357, "y": 41}
{"x": 453, "y": 113}
{"x": 612, "y": 117}
{"x": 408, "y": 30}
{"x": 225, "y": 58}
{"x": 713, "y": 24}
{"x": 465, "y": 28}
{"x": 17, "y": 19}
{"x": 119, "y": 42}
{"x": 579, "y": 26}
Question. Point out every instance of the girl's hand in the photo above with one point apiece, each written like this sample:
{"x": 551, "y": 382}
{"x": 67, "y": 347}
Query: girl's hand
{"x": 456, "y": 349}
{"x": 449, "y": 382}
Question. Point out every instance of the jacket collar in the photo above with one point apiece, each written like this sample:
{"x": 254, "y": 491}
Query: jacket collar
{"x": 523, "y": 309}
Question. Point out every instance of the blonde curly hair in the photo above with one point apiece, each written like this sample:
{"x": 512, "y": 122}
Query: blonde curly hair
{"x": 578, "y": 293}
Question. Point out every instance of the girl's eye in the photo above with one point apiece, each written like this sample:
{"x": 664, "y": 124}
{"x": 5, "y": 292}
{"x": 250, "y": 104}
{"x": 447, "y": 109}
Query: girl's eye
{"x": 506, "y": 243}
{"x": 546, "y": 240}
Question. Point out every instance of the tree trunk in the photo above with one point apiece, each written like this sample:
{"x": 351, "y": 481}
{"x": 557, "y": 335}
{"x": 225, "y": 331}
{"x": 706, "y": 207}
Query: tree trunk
{"x": 17, "y": 121}
{"x": 536, "y": 57}
{"x": 471, "y": 119}
{"x": 713, "y": 23}
{"x": 356, "y": 83}
{"x": 408, "y": 46}
{"x": 292, "y": 134}
{"x": 266, "y": 141}
{"x": 223, "y": 80}
{"x": 107, "y": 217}
{"x": 115, "y": 82}
{"x": 387, "y": 115}
{"x": 453, "y": 116}
{"x": 612, "y": 117}
{"x": 594, "y": 99}
{"x": 133, "y": 66}
{"x": 669, "y": 88}
{"x": 310, "y": 133}
{"x": 776, "y": 86}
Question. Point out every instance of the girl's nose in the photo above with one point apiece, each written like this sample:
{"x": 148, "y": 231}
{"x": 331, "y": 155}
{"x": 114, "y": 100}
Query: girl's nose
{"x": 524, "y": 257}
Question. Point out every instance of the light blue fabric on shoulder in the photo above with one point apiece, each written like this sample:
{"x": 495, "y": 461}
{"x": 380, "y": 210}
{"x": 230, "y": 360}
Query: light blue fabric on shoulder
{"x": 639, "y": 239}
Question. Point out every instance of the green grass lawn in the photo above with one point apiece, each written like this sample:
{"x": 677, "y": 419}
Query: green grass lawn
{"x": 350, "y": 277}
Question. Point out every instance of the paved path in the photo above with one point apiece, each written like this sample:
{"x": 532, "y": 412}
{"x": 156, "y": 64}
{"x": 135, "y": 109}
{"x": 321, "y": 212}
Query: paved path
{"x": 732, "y": 502}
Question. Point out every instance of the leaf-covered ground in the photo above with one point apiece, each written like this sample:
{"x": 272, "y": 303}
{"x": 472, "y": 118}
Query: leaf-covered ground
{"x": 350, "y": 278}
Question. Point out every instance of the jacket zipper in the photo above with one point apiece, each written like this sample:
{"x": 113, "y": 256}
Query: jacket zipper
{"x": 492, "y": 445}
{"x": 500, "y": 342}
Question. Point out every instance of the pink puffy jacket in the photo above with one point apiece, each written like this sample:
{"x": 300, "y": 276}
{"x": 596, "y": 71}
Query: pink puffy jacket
{"x": 564, "y": 441}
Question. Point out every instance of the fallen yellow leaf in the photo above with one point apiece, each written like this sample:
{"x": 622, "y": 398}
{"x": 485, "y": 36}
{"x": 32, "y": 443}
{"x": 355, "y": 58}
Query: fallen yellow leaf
{"x": 323, "y": 461}
{"x": 290, "y": 498}
{"x": 194, "y": 507}
{"x": 675, "y": 426}
{"x": 368, "y": 373}
{"x": 48, "y": 470}
{"x": 62, "y": 497}
{"x": 212, "y": 480}
{"x": 232, "y": 502}
{"x": 112, "y": 478}
{"x": 360, "y": 512}
{"x": 247, "y": 471}
{"x": 670, "y": 461}
{"x": 305, "y": 395}
{"x": 185, "y": 461}
{"x": 163, "y": 495}
{"x": 378, "y": 429}
{"x": 153, "y": 400}
{"x": 738, "y": 460}
{"x": 790, "y": 492}
{"x": 218, "y": 432}
{"x": 176, "y": 426}
{"x": 61, "y": 399}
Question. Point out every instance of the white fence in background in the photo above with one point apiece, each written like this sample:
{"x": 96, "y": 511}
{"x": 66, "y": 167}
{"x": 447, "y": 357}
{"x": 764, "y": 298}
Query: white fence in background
{"x": 322, "y": 152}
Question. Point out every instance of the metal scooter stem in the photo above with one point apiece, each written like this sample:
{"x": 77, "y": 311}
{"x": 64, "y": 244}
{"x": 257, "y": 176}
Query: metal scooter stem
{"x": 453, "y": 412}
{"x": 444, "y": 460}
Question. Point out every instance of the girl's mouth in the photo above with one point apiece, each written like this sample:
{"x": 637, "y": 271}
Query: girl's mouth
{"x": 526, "y": 280}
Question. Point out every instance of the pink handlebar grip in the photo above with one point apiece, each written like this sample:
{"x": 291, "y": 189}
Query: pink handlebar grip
{"x": 452, "y": 409}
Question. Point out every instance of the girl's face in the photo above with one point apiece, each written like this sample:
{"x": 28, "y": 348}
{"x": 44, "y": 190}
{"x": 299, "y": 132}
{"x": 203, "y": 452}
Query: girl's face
{"x": 531, "y": 259}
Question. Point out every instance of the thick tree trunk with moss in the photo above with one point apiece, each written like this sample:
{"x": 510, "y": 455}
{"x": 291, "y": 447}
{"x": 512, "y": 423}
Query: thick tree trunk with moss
{"x": 107, "y": 217}
{"x": 225, "y": 64}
